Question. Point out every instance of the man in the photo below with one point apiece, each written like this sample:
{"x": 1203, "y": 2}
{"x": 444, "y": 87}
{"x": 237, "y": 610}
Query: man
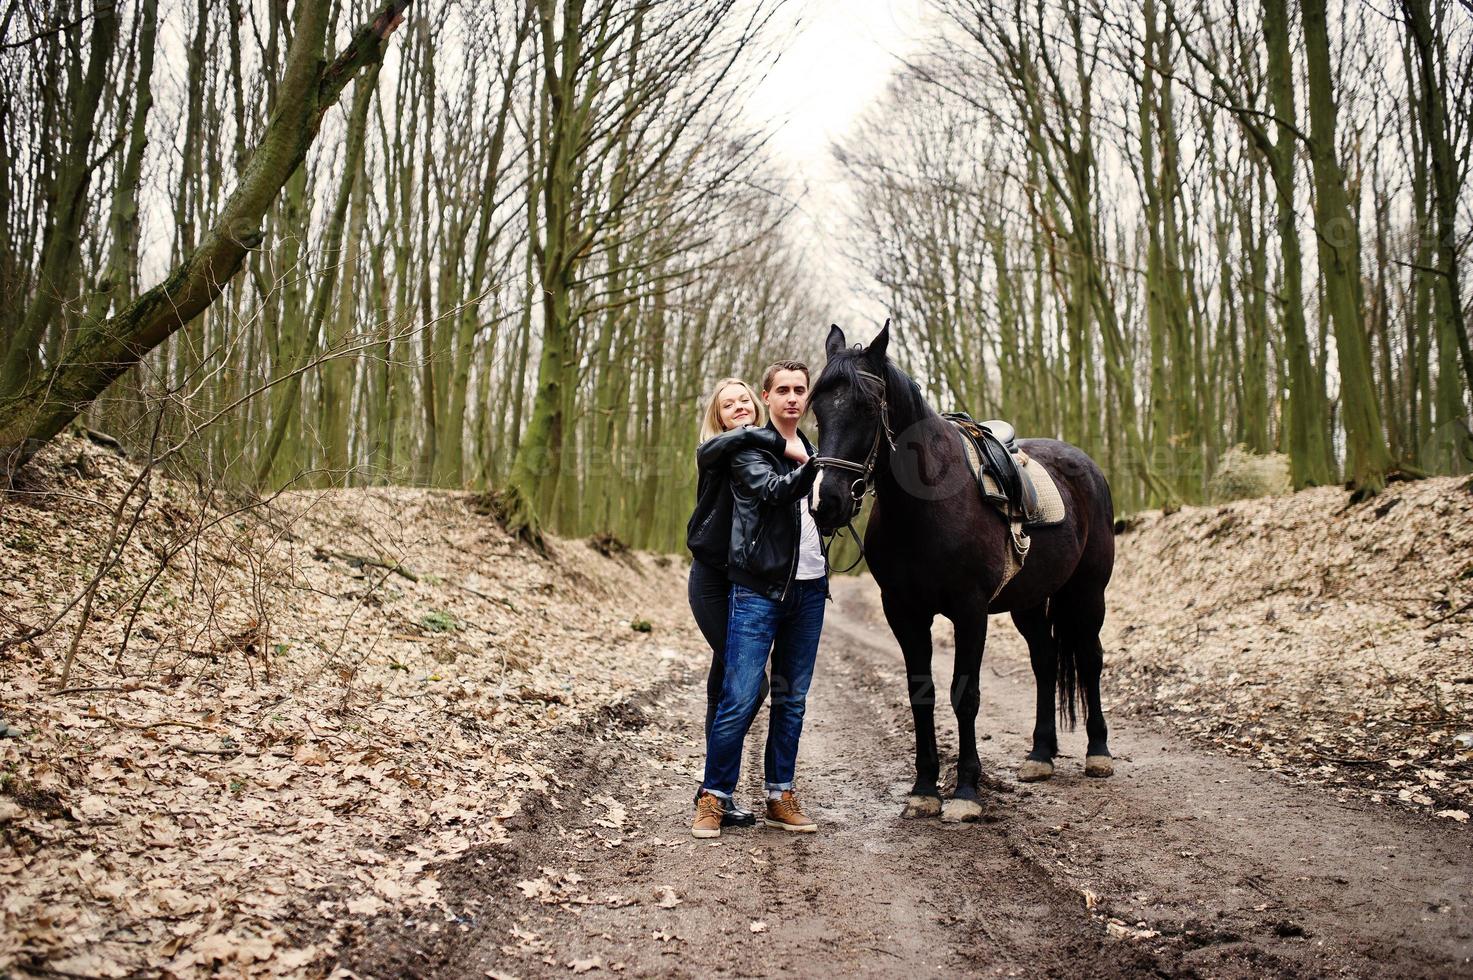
{"x": 779, "y": 584}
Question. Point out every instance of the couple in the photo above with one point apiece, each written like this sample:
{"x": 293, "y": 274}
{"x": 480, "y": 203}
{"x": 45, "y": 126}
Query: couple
{"x": 758, "y": 581}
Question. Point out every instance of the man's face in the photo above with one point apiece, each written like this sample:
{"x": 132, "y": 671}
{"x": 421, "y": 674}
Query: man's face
{"x": 788, "y": 396}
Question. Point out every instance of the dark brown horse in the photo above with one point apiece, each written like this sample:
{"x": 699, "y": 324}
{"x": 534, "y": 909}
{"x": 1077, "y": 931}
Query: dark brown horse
{"x": 937, "y": 548}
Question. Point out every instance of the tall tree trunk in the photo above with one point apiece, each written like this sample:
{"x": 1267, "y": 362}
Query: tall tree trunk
{"x": 1310, "y": 458}
{"x": 121, "y": 275}
{"x": 1367, "y": 458}
{"x": 534, "y": 473}
{"x": 450, "y": 460}
{"x": 57, "y": 281}
{"x": 1255, "y": 376}
{"x": 1446, "y": 186}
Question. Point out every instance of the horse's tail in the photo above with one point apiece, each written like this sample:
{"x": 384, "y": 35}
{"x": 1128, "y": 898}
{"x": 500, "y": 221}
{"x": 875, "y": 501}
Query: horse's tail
{"x": 1077, "y": 618}
{"x": 1071, "y": 699}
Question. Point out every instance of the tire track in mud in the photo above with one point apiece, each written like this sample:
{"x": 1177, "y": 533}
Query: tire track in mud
{"x": 1184, "y": 864}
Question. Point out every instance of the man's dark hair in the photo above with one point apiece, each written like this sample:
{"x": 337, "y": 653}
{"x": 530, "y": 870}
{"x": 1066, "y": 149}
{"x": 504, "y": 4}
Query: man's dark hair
{"x": 777, "y": 366}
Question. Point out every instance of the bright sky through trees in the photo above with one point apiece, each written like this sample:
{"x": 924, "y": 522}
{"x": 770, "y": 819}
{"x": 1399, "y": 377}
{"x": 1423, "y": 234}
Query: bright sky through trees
{"x": 837, "y": 59}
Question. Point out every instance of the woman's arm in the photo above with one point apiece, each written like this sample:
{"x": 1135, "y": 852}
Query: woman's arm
{"x": 714, "y": 451}
{"x": 753, "y": 474}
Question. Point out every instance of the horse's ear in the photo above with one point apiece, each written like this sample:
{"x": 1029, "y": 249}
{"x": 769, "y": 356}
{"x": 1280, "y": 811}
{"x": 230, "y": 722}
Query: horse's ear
{"x": 836, "y": 341}
{"x": 876, "y": 350}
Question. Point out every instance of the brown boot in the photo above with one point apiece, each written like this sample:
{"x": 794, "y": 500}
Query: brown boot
{"x": 785, "y": 815}
{"x": 709, "y": 810}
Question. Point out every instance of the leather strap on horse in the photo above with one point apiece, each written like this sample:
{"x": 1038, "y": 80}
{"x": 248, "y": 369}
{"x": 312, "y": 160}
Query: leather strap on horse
{"x": 1011, "y": 567}
{"x": 866, "y": 471}
{"x": 1017, "y": 498}
{"x": 824, "y": 545}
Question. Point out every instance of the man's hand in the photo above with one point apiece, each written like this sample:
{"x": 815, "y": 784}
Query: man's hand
{"x": 795, "y": 451}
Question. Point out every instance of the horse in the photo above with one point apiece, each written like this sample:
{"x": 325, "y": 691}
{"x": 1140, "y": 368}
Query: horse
{"x": 936, "y": 547}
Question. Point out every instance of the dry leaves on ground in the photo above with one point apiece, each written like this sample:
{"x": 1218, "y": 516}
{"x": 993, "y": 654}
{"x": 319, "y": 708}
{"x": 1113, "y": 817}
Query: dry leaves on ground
{"x": 1332, "y": 642}
{"x": 320, "y": 702}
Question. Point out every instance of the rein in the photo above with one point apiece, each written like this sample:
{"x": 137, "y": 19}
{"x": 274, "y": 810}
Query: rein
{"x": 824, "y": 546}
{"x": 864, "y": 481}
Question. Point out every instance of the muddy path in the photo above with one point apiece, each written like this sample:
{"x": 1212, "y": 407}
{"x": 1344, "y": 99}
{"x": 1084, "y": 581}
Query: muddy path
{"x": 1186, "y": 863}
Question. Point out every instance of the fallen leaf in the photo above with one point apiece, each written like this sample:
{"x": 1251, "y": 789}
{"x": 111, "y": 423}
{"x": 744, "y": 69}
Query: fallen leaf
{"x": 583, "y": 966}
{"x": 296, "y": 959}
{"x": 365, "y": 905}
{"x": 616, "y": 816}
{"x": 388, "y": 887}
{"x": 250, "y": 949}
{"x": 668, "y": 898}
{"x": 539, "y": 888}
{"x": 758, "y": 926}
{"x": 92, "y": 807}
{"x": 309, "y": 755}
{"x": 1120, "y": 930}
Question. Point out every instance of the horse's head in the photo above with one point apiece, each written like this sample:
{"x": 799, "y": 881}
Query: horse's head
{"x": 849, "y": 402}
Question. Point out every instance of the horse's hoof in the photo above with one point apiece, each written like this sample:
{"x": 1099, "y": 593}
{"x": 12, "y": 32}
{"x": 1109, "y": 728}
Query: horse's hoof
{"x": 1033, "y": 771}
{"x": 921, "y": 806}
{"x": 961, "y": 811}
{"x": 1099, "y": 766}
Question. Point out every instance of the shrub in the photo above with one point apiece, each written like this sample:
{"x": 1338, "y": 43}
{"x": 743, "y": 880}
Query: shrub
{"x": 1242, "y": 473}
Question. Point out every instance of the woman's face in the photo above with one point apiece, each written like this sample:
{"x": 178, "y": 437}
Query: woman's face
{"x": 736, "y": 407}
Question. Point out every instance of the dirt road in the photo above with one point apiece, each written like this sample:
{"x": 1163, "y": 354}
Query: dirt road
{"x": 1184, "y": 864}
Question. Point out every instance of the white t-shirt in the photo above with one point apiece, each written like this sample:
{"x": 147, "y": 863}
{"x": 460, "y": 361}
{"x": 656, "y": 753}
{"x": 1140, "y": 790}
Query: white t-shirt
{"x": 810, "y": 555}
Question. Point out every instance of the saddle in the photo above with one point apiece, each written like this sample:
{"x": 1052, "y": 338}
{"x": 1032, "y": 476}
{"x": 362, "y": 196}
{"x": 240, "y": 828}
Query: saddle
{"x": 1010, "y": 488}
{"x": 1021, "y": 489}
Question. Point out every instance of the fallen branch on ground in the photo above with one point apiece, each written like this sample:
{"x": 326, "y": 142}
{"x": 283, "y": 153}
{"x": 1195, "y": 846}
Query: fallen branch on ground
{"x": 360, "y": 560}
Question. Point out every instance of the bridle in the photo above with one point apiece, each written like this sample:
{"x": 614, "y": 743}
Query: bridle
{"x": 864, "y": 481}
{"x": 866, "y": 470}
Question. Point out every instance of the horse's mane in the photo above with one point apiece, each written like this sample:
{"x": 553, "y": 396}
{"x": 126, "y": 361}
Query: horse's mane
{"x": 845, "y": 367}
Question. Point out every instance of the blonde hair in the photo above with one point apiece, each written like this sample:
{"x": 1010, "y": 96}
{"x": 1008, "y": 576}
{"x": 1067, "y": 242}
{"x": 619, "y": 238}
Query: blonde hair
{"x": 711, "y": 417}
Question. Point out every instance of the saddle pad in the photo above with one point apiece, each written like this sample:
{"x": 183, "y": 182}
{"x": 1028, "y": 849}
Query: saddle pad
{"x": 1050, "y": 503}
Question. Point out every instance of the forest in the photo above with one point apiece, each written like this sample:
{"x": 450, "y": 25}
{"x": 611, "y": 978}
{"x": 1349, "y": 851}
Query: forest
{"x": 510, "y": 246}
{"x": 354, "y": 355}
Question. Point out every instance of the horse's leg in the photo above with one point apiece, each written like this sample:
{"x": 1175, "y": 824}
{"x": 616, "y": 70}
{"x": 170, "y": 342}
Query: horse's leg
{"x": 913, "y": 631}
{"x": 1043, "y": 652}
{"x": 1083, "y": 636}
{"x": 966, "y": 698}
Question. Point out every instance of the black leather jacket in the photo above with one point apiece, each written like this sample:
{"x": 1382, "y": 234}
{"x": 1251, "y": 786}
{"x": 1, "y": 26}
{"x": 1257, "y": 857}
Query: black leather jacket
{"x": 708, "y": 532}
{"x": 768, "y": 492}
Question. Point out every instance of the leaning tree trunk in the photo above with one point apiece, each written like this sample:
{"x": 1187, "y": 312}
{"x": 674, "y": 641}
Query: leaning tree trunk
{"x": 32, "y": 414}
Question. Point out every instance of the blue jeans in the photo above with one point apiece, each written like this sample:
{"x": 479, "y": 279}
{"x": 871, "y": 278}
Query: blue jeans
{"x": 755, "y": 626}
{"x": 710, "y": 600}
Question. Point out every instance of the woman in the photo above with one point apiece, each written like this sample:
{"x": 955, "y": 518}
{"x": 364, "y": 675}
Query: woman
{"x": 731, "y": 422}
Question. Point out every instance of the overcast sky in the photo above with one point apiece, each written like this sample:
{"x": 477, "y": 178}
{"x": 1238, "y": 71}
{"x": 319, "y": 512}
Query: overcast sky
{"x": 836, "y": 62}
